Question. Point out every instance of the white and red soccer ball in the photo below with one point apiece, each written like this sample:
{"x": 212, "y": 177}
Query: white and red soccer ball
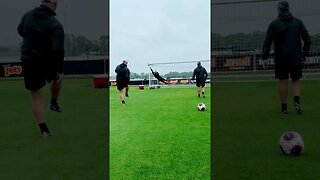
{"x": 291, "y": 143}
{"x": 201, "y": 107}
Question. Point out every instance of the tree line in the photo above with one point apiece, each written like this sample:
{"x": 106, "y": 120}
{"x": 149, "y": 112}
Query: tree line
{"x": 75, "y": 45}
{"x": 79, "y": 45}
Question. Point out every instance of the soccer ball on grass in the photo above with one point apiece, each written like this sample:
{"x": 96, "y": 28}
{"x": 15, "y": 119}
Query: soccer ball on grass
{"x": 201, "y": 107}
{"x": 291, "y": 143}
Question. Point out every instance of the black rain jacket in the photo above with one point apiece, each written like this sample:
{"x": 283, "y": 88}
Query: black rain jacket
{"x": 43, "y": 37}
{"x": 123, "y": 73}
{"x": 286, "y": 32}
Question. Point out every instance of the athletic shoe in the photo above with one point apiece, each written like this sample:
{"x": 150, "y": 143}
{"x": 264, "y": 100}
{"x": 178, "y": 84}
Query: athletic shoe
{"x": 298, "y": 108}
{"x": 284, "y": 112}
{"x": 127, "y": 95}
{"x": 123, "y": 103}
{"x": 45, "y": 134}
{"x": 55, "y": 107}
{"x": 203, "y": 96}
{"x": 198, "y": 95}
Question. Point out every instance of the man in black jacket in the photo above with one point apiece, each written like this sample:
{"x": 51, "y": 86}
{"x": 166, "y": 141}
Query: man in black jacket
{"x": 286, "y": 32}
{"x": 201, "y": 76}
{"x": 42, "y": 56}
{"x": 123, "y": 79}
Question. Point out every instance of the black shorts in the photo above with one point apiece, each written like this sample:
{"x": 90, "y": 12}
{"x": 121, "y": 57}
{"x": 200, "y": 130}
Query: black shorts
{"x": 282, "y": 71}
{"x": 122, "y": 85}
{"x": 200, "y": 83}
{"x": 37, "y": 73}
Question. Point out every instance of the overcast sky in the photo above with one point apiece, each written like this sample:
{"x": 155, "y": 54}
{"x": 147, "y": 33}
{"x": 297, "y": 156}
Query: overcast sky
{"x": 80, "y": 17}
{"x": 149, "y": 31}
{"x": 257, "y": 16}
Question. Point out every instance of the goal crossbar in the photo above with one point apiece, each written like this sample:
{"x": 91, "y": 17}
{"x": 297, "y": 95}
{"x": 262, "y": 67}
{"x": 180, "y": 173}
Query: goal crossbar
{"x": 154, "y": 83}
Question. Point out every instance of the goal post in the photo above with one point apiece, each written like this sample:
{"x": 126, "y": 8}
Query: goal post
{"x": 176, "y": 72}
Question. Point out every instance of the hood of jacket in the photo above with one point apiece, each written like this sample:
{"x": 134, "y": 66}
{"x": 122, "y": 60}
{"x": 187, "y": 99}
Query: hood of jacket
{"x": 43, "y": 12}
{"x": 123, "y": 66}
{"x": 285, "y": 16}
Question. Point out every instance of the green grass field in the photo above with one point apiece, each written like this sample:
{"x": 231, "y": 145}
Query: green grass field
{"x": 247, "y": 125}
{"x": 77, "y": 149}
{"x": 159, "y": 134}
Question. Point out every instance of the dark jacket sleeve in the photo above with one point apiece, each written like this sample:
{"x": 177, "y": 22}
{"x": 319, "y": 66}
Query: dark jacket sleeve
{"x": 152, "y": 70}
{"x": 268, "y": 42}
{"x": 21, "y": 26}
{"x": 58, "y": 47}
{"x": 116, "y": 70}
{"x": 128, "y": 75}
{"x": 194, "y": 73}
{"x": 20, "y": 29}
{"x": 206, "y": 74}
{"x": 306, "y": 39}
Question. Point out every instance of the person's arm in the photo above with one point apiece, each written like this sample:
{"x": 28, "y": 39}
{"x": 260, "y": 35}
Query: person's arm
{"x": 268, "y": 42}
{"x": 21, "y": 27}
{"x": 58, "y": 49}
{"x": 206, "y": 74}
{"x": 128, "y": 75}
{"x": 152, "y": 70}
{"x": 267, "y": 46}
{"x": 116, "y": 70}
{"x": 306, "y": 40}
{"x": 194, "y": 73}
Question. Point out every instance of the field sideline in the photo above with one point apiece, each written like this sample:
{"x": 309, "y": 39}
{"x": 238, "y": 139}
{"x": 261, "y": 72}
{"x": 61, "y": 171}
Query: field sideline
{"x": 247, "y": 124}
{"x": 159, "y": 134}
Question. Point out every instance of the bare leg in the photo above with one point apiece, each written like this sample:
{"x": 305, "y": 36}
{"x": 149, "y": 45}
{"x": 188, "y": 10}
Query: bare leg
{"x": 296, "y": 95}
{"x": 283, "y": 90}
{"x": 127, "y": 91}
{"x": 203, "y": 91}
{"x": 38, "y": 106}
{"x": 283, "y": 94}
{"x": 56, "y": 89}
{"x": 55, "y": 93}
{"x": 296, "y": 87}
{"x": 121, "y": 95}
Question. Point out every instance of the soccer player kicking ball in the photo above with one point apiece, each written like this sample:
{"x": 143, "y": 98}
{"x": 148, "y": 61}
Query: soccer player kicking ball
{"x": 42, "y": 55}
{"x": 286, "y": 32}
{"x": 201, "y": 76}
{"x": 123, "y": 79}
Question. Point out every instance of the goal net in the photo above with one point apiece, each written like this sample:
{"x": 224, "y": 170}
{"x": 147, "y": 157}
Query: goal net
{"x": 175, "y": 73}
{"x": 237, "y": 37}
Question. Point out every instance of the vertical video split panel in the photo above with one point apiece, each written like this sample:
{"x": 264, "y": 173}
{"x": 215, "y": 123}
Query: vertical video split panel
{"x": 157, "y": 129}
{"x": 53, "y": 121}
{"x": 265, "y": 113}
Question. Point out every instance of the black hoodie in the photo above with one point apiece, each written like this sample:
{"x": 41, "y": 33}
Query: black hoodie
{"x": 286, "y": 32}
{"x": 200, "y": 73}
{"x": 123, "y": 73}
{"x": 43, "y": 37}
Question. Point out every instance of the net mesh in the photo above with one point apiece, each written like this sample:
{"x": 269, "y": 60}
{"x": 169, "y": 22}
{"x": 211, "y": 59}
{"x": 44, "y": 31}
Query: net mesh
{"x": 238, "y": 34}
